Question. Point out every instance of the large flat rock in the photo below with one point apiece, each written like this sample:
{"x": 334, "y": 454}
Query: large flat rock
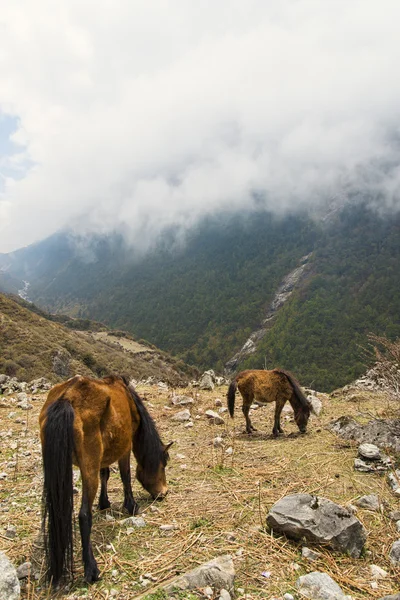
{"x": 318, "y": 520}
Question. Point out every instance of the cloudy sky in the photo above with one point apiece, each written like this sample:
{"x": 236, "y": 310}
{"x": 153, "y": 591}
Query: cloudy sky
{"x": 148, "y": 113}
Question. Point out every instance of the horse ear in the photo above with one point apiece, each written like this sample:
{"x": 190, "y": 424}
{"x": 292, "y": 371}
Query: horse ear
{"x": 167, "y": 446}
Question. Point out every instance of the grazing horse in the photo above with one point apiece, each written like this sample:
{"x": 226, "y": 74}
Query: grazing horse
{"x": 92, "y": 423}
{"x": 270, "y": 386}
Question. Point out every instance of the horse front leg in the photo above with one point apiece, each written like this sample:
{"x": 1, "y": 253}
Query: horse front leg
{"x": 279, "y": 404}
{"x": 103, "y": 499}
{"x": 124, "y": 464}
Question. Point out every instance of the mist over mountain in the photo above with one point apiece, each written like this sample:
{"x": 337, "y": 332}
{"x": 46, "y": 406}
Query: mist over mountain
{"x": 201, "y": 300}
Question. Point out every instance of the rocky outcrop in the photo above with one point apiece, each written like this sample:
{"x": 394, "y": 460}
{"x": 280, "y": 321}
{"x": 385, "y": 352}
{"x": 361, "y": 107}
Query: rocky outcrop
{"x": 318, "y": 520}
{"x": 382, "y": 433}
{"x": 283, "y": 293}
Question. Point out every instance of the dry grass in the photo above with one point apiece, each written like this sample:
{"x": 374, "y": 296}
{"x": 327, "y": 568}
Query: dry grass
{"x": 218, "y": 502}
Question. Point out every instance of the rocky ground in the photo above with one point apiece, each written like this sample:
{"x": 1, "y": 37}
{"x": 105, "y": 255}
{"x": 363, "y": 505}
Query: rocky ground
{"x": 222, "y": 485}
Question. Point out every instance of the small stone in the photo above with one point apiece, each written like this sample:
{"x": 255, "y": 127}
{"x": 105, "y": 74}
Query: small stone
{"x": 169, "y": 527}
{"x": 218, "y": 402}
{"x": 288, "y": 597}
{"x": 181, "y": 416}
{"x": 319, "y": 586}
{"x": 374, "y": 585}
{"x": 370, "y": 502}
{"x": 309, "y": 554}
{"x": 218, "y": 442}
{"x": 398, "y": 525}
{"x": 113, "y": 593}
{"x": 239, "y": 552}
{"x": 230, "y": 536}
{"x": 3, "y": 475}
{"x": 134, "y": 522}
{"x": 229, "y": 451}
{"x": 369, "y": 451}
{"x": 110, "y": 517}
{"x": 224, "y": 595}
{"x": 377, "y": 572}
{"x": 214, "y": 417}
{"x": 24, "y": 570}
{"x": 189, "y": 424}
{"x": 394, "y": 553}
{"x": 395, "y": 515}
{"x": 208, "y": 592}
{"x": 114, "y": 573}
{"x": 11, "y": 532}
{"x": 180, "y": 456}
{"x": 9, "y": 584}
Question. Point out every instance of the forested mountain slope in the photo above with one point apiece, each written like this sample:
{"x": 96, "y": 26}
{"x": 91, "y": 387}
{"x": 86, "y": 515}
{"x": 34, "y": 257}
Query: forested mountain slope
{"x": 202, "y": 300}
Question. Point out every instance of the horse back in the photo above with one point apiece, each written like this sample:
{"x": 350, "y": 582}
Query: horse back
{"x": 105, "y": 415}
{"x": 263, "y": 386}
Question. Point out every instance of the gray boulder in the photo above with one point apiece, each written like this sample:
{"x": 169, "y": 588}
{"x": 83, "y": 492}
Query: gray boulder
{"x": 214, "y": 417}
{"x": 318, "y": 520}
{"x": 381, "y": 432}
{"x": 9, "y": 583}
{"x": 218, "y": 573}
{"x": 207, "y": 380}
{"x": 319, "y": 586}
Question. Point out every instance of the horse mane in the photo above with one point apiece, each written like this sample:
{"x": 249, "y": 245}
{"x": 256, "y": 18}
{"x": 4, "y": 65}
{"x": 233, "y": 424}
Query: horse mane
{"x": 147, "y": 445}
{"x": 296, "y": 388}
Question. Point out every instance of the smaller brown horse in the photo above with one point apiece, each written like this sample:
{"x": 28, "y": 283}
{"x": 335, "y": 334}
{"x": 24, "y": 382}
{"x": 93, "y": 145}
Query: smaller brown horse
{"x": 92, "y": 423}
{"x": 270, "y": 386}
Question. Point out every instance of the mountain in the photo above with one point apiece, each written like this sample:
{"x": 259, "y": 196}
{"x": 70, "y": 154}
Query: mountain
{"x": 205, "y": 299}
{"x": 34, "y": 344}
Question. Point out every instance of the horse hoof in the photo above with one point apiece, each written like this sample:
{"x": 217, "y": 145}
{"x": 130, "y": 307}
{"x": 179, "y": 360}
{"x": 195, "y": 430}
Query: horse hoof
{"x": 92, "y": 575}
{"x": 104, "y": 505}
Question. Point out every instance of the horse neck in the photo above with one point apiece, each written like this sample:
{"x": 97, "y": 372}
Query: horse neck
{"x": 295, "y": 402}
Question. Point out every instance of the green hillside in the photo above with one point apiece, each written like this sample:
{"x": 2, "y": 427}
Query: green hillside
{"x": 202, "y": 300}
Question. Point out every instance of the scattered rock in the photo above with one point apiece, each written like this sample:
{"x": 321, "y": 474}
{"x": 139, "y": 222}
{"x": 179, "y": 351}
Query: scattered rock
{"x": 394, "y": 515}
{"x": 394, "y": 553}
{"x": 218, "y": 442}
{"x": 207, "y": 380}
{"x": 11, "y": 532}
{"x": 189, "y": 424}
{"x": 9, "y": 583}
{"x": 369, "y": 451}
{"x": 370, "y": 502}
{"x": 377, "y": 572}
{"x": 319, "y": 586}
{"x": 61, "y": 364}
{"x": 169, "y": 527}
{"x": 218, "y": 573}
{"x": 181, "y": 416}
{"x": 24, "y": 570}
{"x": 214, "y": 417}
{"x": 224, "y": 595}
{"x": 309, "y": 554}
{"x": 391, "y": 597}
{"x": 134, "y": 522}
{"x": 288, "y": 597}
{"x": 182, "y": 400}
{"x": 393, "y": 481}
{"x": 318, "y": 520}
{"x": 218, "y": 402}
{"x": 316, "y": 405}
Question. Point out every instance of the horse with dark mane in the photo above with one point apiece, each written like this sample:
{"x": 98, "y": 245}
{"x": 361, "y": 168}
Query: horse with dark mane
{"x": 92, "y": 423}
{"x": 270, "y": 386}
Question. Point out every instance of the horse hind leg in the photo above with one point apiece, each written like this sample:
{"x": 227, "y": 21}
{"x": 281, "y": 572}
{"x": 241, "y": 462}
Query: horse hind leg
{"x": 125, "y": 471}
{"x": 88, "y": 452}
{"x": 279, "y": 404}
{"x": 103, "y": 499}
{"x": 245, "y": 409}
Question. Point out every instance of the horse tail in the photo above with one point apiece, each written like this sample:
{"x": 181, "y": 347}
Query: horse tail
{"x": 295, "y": 386}
{"x": 231, "y": 396}
{"x": 58, "y": 445}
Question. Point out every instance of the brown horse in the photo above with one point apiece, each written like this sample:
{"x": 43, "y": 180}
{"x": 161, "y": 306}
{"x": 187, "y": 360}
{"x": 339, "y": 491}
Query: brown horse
{"x": 92, "y": 423}
{"x": 270, "y": 386}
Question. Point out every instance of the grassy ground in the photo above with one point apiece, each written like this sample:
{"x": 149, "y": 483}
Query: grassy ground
{"x": 218, "y": 502}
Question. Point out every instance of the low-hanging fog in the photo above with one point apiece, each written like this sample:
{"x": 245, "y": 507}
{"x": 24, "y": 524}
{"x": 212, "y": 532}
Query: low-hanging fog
{"x": 137, "y": 115}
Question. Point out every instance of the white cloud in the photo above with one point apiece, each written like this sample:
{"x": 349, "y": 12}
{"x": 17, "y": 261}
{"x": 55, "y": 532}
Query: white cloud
{"x": 150, "y": 113}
